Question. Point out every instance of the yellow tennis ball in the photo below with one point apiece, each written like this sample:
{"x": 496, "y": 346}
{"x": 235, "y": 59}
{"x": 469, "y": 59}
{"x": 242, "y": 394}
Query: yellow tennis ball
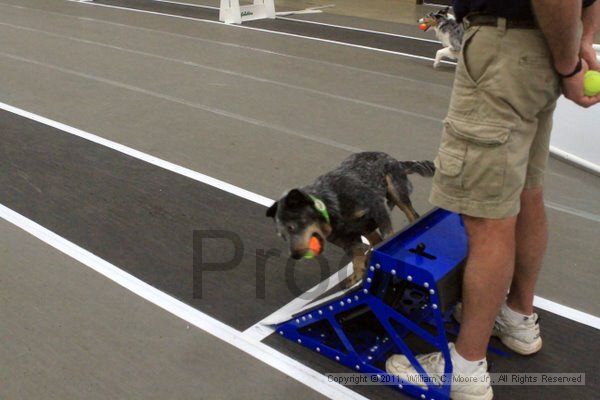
{"x": 591, "y": 83}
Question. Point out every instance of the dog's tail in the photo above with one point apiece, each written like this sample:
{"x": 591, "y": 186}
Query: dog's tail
{"x": 423, "y": 168}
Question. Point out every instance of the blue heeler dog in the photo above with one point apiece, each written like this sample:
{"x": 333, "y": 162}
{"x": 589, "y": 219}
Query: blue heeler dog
{"x": 448, "y": 31}
{"x": 351, "y": 201}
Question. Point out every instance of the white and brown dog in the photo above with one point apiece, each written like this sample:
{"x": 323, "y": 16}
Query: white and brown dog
{"x": 448, "y": 31}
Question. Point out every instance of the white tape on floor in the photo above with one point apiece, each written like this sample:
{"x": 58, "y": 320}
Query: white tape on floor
{"x": 256, "y": 349}
{"x": 228, "y": 72}
{"x": 545, "y": 304}
{"x": 305, "y": 21}
{"x": 567, "y": 312}
{"x": 264, "y": 30}
{"x": 256, "y": 198}
{"x": 236, "y": 46}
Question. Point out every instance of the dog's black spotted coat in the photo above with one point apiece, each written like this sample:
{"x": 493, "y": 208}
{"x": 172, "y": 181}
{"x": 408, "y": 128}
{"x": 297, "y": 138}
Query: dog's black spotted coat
{"x": 358, "y": 195}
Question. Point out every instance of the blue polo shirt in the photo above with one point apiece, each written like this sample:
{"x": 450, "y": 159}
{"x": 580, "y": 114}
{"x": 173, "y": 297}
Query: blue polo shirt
{"x": 509, "y": 9}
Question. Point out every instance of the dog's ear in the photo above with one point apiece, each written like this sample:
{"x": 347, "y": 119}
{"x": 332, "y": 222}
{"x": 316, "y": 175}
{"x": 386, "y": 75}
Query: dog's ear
{"x": 445, "y": 10}
{"x": 296, "y": 198}
{"x": 272, "y": 210}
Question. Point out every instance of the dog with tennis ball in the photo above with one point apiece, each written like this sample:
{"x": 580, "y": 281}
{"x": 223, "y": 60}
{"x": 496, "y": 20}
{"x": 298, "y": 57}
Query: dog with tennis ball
{"x": 346, "y": 204}
{"x": 447, "y": 30}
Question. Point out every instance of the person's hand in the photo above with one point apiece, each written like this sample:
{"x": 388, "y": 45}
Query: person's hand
{"x": 588, "y": 53}
{"x": 572, "y": 88}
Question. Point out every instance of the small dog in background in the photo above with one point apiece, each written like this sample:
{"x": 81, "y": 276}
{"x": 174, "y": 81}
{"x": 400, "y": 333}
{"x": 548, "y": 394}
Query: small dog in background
{"x": 347, "y": 203}
{"x": 448, "y": 31}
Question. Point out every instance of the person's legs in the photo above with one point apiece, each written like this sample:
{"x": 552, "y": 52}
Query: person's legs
{"x": 488, "y": 272}
{"x": 532, "y": 225}
{"x": 490, "y": 264}
{"x": 516, "y": 325}
{"x": 531, "y": 242}
{"x": 493, "y": 146}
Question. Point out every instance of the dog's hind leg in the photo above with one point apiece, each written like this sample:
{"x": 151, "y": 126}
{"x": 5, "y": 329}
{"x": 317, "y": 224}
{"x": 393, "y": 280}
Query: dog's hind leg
{"x": 382, "y": 218}
{"x": 401, "y": 200}
{"x": 408, "y": 210}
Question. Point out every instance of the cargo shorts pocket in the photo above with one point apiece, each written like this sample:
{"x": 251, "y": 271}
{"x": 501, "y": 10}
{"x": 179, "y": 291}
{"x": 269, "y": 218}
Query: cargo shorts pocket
{"x": 479, "y": 51}
{"x": 472, "y": 160}
{"x": 473, "y": 71}
{"x": 449, "y": 165}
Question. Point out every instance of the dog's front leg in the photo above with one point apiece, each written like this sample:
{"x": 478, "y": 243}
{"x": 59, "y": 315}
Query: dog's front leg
{"x": 358, "y": 252}
{"x": 360, "y": 255}
{"x": 446, "y": 52}
{"x": 438, "y": 58}
{"x": 440, "y": 54}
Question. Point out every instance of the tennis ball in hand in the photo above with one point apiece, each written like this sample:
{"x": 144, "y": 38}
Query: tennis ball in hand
{"x": 423, "y": 27}
{"x": 314, "y": 248}
{"x": 591, "y": 83}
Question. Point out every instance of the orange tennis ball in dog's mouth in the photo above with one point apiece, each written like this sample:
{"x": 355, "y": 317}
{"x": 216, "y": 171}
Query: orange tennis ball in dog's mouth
{"x": 314, "y": 248}
{"x": 423, "y": 27}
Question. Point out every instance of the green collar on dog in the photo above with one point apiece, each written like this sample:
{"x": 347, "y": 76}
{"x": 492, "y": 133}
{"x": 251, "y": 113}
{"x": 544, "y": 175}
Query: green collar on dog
{"x": 320, "y": 206}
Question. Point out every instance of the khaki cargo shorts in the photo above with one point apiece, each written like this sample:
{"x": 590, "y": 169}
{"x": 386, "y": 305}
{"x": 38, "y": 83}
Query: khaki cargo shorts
{"x": 496, "y": 136}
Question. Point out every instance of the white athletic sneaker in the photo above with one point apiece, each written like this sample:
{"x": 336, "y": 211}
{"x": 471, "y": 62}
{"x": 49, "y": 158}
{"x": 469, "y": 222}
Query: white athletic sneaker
{"x": 475, "y": 386}
{"x": 522, "y": 337}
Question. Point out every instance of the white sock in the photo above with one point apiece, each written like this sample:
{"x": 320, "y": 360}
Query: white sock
{"x": 514, "y": 317}
{"x": 464, "y": 366}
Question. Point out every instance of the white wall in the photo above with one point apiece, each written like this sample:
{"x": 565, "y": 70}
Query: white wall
{"x": 576, "y": 133}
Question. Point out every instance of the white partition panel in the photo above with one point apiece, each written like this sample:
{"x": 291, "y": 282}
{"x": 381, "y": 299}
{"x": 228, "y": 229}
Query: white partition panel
{"x": 576, "y": 133}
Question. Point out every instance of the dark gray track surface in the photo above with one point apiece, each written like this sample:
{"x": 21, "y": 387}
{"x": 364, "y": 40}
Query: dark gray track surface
{"x": 141, "y": 218}
{"x": 339, "y": 34}
{"x": 146, "y": 81}
{"x": 568, "y": 347}
{"x": 68, "y": 333}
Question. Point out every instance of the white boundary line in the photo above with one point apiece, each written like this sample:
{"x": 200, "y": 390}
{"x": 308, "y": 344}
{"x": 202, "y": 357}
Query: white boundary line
{"x": 258, "y": 350}
{"x": 227, "y": 187}
{"x": 553, "y": 150}
{"x": 264, "y": 327}
{"x": 213, "y": 110}
{"x": 229, "y": 44}
{"x": 573, "y": 211}
{"x": 263, "y": 30}
{"x": 567, "y": 312}
{"x": 360, "y": 30}
{"x": 350, "y": 28}
{"x": 229, "y": 72}
{"x": 545, "y": 304}
{"x": 280, "y": 317}
{"x": 425, "y": 3}
{"x": 595, "y": 168}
